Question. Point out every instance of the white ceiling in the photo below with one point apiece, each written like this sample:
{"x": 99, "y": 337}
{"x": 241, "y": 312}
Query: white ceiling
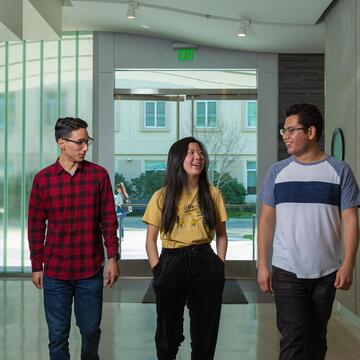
{"x": 282, "y": 26}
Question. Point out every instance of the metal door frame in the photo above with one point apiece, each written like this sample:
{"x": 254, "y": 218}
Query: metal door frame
{"x": 140, "y": 267}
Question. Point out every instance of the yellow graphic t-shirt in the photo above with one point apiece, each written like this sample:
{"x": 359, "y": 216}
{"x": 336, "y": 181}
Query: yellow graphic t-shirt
{"x": 189, "y": 228}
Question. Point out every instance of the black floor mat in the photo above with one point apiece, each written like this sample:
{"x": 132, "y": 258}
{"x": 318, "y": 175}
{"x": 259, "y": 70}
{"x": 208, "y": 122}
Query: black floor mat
{"x": 232, "y": 294}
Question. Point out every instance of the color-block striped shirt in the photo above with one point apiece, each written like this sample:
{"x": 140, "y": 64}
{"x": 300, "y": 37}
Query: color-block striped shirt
{"x": 69, "y": 215}
{"x": 309, "y": 198}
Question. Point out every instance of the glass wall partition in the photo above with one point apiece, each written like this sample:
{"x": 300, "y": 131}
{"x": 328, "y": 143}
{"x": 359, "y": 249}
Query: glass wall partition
{"x": 40, "y": 81}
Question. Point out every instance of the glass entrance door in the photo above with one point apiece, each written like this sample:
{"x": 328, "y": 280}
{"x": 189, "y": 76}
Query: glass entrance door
{"x": 226, "y": 128}
{"x": 148, "y": 121}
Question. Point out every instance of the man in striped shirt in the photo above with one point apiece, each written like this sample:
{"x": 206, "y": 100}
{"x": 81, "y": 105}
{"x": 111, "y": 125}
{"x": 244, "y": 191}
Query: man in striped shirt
{"x": 311, "y": 201}
{"x": 71, "y": 215}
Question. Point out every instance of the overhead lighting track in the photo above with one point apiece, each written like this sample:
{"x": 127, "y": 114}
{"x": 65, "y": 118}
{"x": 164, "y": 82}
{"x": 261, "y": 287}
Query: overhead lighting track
{"x": 144, "y": 4}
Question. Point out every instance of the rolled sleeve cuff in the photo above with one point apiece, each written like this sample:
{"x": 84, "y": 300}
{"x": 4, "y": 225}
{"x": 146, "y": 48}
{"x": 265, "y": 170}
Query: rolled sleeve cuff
{"x": 35, "y": 267}
{"x": 113, "y": 253}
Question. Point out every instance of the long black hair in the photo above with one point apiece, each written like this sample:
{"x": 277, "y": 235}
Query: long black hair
{"x": 175, "y": 181}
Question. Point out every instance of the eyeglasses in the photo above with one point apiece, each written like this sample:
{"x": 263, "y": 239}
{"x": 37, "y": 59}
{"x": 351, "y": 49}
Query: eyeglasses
{"x": 290, "y": 130}
{"x": 81, "y": 143}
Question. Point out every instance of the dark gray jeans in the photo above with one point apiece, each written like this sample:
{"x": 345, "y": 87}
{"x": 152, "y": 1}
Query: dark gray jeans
{"x": 303, "y": 308}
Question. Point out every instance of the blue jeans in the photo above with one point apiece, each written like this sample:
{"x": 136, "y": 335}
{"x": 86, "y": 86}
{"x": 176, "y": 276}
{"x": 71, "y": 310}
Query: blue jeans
{"x": 303, "y": 308}
{"x": 121, "y": 216}
{"x": 88, "y": 297}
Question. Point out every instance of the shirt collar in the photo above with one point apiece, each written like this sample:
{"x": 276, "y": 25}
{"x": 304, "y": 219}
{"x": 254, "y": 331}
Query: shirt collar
{"x": 60, "y": 169}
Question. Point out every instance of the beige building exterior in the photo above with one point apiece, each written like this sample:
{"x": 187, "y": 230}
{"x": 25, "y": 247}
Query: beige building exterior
{"x": 145, "y": 130}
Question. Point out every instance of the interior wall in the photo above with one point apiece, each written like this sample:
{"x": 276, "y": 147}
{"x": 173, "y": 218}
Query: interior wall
{"x": 128, "y": 51}
{"x": 342, "y": 108}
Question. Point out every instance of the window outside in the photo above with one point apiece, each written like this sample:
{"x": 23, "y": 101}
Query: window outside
{"x": 154, "y": 116}
{"x": 251, "y": 114}
{"x": 205, "y": 114}
{"x": 251, "y": 177}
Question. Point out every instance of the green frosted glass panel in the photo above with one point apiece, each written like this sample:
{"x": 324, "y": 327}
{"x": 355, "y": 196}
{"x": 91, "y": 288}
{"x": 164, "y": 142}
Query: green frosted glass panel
{"x": 2, "y": 150}
{"x": 32, "y": 125}
{"x": 50, "y": 100}
{"x": 36, "y": 87}
{"x": 85, "y": 76}
{"x": 68, "y": 77}
{"x": 14, "y": 153}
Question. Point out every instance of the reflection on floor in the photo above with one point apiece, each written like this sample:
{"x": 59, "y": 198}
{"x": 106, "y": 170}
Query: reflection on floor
{"x": 247, "y": 331}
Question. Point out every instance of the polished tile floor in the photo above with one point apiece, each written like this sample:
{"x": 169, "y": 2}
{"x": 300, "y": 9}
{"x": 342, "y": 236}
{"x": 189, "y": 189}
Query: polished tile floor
{"x": 247, "y": 331}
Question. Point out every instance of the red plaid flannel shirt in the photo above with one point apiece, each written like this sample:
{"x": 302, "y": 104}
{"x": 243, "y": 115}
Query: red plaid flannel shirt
{"x": 68, "y": 218}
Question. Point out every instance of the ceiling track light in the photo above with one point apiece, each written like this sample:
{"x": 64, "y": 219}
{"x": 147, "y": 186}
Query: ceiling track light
{"x": 243, "y": 28}
{"x": 67, "y": 3}
{"x": 133, "y": 5}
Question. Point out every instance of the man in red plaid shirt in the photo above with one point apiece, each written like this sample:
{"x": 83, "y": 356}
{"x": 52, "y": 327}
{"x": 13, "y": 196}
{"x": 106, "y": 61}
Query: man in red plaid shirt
{"x": 71, "y": 211}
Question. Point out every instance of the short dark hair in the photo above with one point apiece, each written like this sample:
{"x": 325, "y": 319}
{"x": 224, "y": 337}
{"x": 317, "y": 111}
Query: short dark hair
{"x": 64, "y": 126}
{"x": 309, "y": 115}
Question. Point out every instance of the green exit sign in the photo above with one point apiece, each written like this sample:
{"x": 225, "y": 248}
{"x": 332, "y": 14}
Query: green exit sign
{"x": 186, "y": 54}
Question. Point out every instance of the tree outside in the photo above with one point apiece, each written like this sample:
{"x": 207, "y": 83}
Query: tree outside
{"x": 223, "y": 145}
{"x": 141, "y": 188}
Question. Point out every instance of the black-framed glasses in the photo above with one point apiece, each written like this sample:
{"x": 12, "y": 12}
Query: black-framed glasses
{"x": 80, "y": 143}
{"x": 290, "y": 130}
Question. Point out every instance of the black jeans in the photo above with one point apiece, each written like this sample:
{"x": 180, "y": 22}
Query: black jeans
{"x": 303, "y": 308}
{"x": 194, "y": 276}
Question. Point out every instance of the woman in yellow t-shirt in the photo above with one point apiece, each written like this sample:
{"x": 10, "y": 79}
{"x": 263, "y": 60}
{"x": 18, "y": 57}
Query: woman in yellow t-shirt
{"x": 188, "y": 212}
